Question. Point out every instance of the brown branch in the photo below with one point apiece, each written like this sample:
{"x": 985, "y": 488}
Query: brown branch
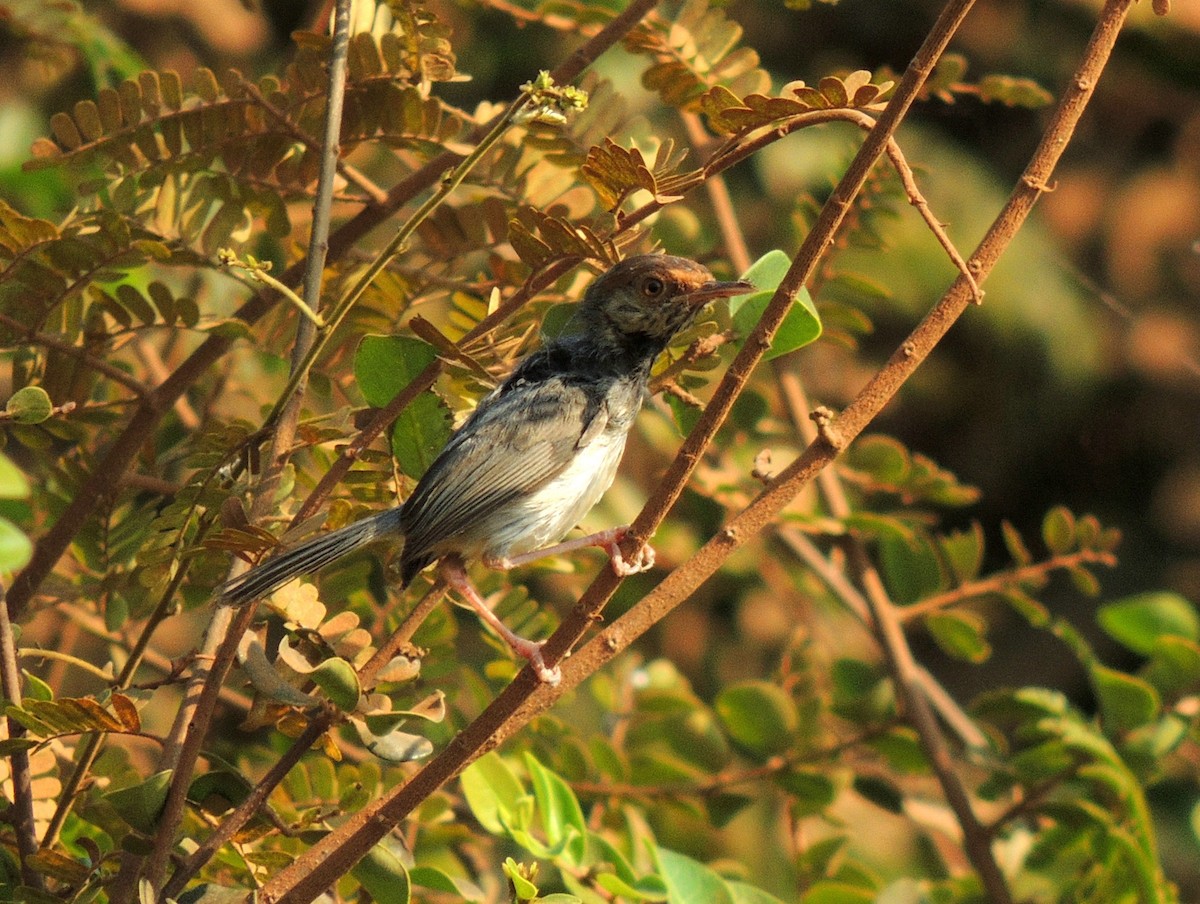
{"x": 835, "y": 578}
{"x": 977, "y": 840}
{"x": 1001, "y": 581}
{"x": 315, "y": 869}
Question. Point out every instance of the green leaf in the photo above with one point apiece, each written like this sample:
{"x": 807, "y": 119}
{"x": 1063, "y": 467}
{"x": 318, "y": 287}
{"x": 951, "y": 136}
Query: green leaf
{"x": 883, "y": 457}
{"x": 860, "y": 692}
{"x": 880, "y": 792}
{"x": 29, "y": 405}
{"x": 1174, "y": 666}
{"x": 1125, "y": 701}
{"x": 523, "y": 888}
{"x": 339, "y": 682}
{"x": 15, "y": 547}
{"x": 831, "y": 892}
{"x": 1015, "y": 544}
{"x": 394, "y": 745}
{"x": 811, "y": 791}
{"x": 13, "y": 482}
{"x": 963, "y": 552}
{"x": 912, "y": 569}
{"x": 495, "y": 795}
{"x": 383, "y": 875}
{"x": 383, "y": 366}
{"x": 9, "y": 746}
{"x": 901, "y": 748}
{"x": 1058, "y": 530}
{"x": 141, "y": 804}
{"x": 562, "y": 817}
{"x": 1138, "y": 622}
{"x": 432, "y": 878}
{"x": 36, "y": 688}
{"x": 744, "y": 893}
{"x": 759, "y": 716}
{"x": 697, "y": 736}
{"x": 220, "y": 784}
{"x": 801, "y": 325}
{"x": 959, "y": 634}
{"x": 689, "y": 881}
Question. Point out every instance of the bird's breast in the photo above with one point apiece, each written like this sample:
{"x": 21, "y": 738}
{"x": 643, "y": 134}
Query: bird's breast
{"x": 547, "y": 514}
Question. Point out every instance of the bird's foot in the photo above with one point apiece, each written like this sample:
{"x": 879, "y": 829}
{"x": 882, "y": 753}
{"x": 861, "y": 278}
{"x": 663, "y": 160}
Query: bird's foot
{"x": 642, "y": 560}
{"x": 532, "y": 650}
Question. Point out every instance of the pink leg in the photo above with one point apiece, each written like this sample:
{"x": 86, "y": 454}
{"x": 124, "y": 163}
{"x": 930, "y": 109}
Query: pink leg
{"x": 608, "y": 540}
{"x": 456, "y": 576}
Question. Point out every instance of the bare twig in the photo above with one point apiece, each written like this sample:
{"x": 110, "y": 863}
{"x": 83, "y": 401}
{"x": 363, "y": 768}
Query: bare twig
{"x": 22, "y": 783}
{"x": 977, "y": 840}
{"x": 835, "y": 578}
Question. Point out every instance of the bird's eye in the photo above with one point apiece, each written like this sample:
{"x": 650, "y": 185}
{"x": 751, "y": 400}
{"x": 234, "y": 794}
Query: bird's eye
{"x": 652, "y": 287}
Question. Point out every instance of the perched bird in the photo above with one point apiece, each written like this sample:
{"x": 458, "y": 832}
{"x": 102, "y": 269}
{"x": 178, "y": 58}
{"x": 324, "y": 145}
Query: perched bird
{"x": 536, "y": 454}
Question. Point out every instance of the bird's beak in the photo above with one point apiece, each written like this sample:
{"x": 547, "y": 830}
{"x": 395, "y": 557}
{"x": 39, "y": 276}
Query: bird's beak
{"x": 712, "y": 290}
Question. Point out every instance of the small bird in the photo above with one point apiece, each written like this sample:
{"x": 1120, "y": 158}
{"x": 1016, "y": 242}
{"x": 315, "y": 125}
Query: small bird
{"x": 536, "y": 454}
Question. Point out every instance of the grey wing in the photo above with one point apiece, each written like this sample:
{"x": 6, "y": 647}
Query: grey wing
{"x": 514, "y": 444}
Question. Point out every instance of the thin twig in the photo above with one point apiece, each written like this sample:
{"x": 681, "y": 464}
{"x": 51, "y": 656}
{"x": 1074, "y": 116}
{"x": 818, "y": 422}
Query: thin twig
{"x": 835, "y": 578}
{"x": 90, "y": 748}
{"x": 1004, "y": 580}
{"x": 22, "y": 783}
{"x": 977, "y": 841}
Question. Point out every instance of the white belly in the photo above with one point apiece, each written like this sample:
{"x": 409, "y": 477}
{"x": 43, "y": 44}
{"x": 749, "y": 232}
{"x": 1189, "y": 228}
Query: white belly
{"x": 545, "y": 516}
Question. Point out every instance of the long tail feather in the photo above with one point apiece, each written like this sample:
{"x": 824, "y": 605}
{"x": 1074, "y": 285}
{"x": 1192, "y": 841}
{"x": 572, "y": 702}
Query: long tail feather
{"x": 308, "y": 557}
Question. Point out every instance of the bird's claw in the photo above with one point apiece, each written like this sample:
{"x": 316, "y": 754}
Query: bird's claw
{"x": 546, "y": 675}
{"x": 643, "y": 560}
{"x": 532, "y": 651}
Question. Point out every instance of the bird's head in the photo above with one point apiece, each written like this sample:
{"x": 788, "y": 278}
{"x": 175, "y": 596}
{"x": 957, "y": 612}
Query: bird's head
{"x": 642, "y": 302}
